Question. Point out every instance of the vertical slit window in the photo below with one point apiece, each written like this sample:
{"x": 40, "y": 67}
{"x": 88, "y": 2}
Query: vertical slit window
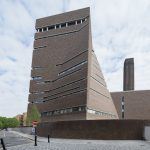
{"x": 78, "y": 21}
{"x": 40, "y": 30}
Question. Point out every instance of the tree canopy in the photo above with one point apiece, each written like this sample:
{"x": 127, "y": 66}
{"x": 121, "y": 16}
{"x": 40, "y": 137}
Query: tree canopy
{"x": 33, "y": 115}
{"x": 8, "y": 122}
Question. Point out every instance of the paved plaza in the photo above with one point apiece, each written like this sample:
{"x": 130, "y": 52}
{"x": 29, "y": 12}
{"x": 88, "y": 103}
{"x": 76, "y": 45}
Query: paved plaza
{"x": 85, "y": 145}
{"x": 17, "y": 142}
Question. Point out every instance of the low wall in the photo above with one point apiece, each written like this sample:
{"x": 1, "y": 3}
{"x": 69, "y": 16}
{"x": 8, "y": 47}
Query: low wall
{"x": 26, "y": 130}
{"x": 95, "y": 129}
{"x": 147, "y": 133}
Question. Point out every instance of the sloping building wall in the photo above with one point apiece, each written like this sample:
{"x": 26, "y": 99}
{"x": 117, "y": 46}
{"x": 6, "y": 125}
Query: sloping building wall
{"x": 62, "y": 65}
{"x": 99, "y": 99}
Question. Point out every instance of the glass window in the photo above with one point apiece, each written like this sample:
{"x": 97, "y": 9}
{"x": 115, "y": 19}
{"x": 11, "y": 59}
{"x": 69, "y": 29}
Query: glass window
{"x": 82, "y": 108}
{"x": 69, "y": 110}
{"x": 71, "y": 23}
{"x": 72, "y": 68}
{"x": 63, "y": 25}
{"x": 57, "y": 26}
{"x": 65, "y": 110}
{"x": 83, "y": 20}
{"x": 51, "y": 27}
{"x": 75, "y": 109}
{"x": 36, "y": 78}
{"x": 40, "y": 30}
{"x": 78, "y": 21}
{"x": 62, "y": 111}
{"x": 44, "y": 29}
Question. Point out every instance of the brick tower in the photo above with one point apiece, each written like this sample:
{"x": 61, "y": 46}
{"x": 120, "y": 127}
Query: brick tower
{"x": 67, "y": 82}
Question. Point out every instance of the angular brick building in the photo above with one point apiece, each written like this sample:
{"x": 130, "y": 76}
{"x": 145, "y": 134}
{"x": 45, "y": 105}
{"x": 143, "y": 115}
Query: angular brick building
{"x": 67, "y": 82}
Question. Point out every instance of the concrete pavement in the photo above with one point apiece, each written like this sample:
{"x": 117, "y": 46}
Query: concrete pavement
{"x": 19, "y": 141}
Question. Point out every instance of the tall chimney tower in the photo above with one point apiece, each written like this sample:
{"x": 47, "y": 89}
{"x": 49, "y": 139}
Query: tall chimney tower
{"x": 128, "y": 76}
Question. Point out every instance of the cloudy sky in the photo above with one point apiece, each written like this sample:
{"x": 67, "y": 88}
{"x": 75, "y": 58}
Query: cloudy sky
{"x": 120, "y": 28}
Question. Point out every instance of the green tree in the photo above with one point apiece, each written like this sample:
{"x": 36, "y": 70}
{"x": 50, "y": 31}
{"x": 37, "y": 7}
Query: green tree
{"x": 4, "y": 121}
{"x": 12, "y": 122}
{"x": 1, "y": 125}
{"x": 33, "y": 115}
{"x": 8, "y": 122}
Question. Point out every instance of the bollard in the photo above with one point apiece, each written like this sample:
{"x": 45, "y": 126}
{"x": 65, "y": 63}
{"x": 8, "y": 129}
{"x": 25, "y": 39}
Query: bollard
{"x": 3, "y": 145}
{"x": 48, "y": 139}
{"x": 35, "y": 140}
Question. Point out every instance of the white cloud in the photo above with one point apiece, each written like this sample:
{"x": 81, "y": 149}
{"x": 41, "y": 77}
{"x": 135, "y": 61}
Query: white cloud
{"x": 120, "y": 29}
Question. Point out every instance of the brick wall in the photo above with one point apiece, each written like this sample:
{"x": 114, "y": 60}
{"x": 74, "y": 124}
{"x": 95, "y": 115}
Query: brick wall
{"x": 95, "y": 129}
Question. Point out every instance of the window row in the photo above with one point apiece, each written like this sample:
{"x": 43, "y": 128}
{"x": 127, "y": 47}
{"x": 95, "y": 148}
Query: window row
{"x": 59, "y": 78}
{"x": 61, "y": 25}
{"x": 37, "y": 67}
{"x": 36, "y": 78}
{"x": 57, "y": 97}
{"x": 64, "y": 85}
{"x": 62, "y": 92}
{"x": 38, "y": 101}
{"x": 39, "y": 47}
{"x": 77, "y": 109}
{"x": 64, "y": 111}
{"x": 38, "y": 92}
{"x": 72, "y": 68}
{"x": 107, "y": 114}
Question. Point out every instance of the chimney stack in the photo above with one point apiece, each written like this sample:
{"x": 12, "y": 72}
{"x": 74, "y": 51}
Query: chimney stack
{"x": 128, "y": 76}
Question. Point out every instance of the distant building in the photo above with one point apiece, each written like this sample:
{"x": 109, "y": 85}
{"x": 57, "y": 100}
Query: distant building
{"x": 131, "y": 104}
{"x": 128, "y": 76}
{"x": 67, "y": 82}
{"x": 136, "y": 104}
{"x": 22, "y": 119}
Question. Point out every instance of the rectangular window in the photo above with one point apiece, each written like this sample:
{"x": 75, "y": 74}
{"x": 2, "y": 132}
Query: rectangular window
{"x": 65, "y": 110}
{"x": 61, "y": 111}
{"x": 57, "y": 112}
{"x": 69, "y": 110}
{"x": 78, "y": 21}
{"x": 72, "y": 68}
{"x": 83, "y": 20}
{"x": 57, "y": 26}
{"x": 37, "y": 67}
{"x": 81, "y": 108}
{"x": 44, "y": 29}
{"x": 36, "y": 78}
{"x": 40, "y": 30}
{"x": 51, "y": 27}
{"x": 75, "y": 109}
{"x": 71, "y": 23}
{"x": 49, "y": 113}
{"x": 122, "y": 115}
{"x": 63, "y": 25}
